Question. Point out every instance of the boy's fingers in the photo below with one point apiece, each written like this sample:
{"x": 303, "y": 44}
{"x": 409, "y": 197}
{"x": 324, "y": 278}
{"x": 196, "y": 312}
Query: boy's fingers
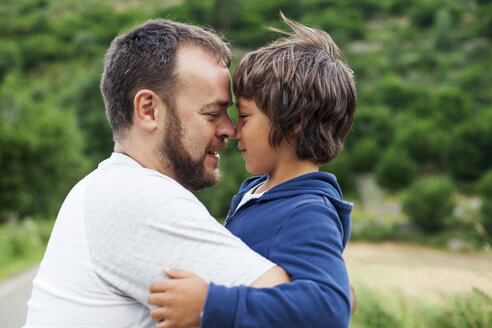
{"x": 165, "y": 324}
{"x": 177, "y": 273}
{"x": 160, "y": 299}
{"x": 159, "y": 286}
{"x": 159, "y": 313}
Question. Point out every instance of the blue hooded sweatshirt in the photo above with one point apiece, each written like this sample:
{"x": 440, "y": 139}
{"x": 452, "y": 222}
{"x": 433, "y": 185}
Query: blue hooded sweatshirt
{"x": 302, "y": 225}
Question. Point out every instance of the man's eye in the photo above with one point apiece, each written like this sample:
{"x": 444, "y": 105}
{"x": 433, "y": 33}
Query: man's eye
{"x": 212, "y": 115}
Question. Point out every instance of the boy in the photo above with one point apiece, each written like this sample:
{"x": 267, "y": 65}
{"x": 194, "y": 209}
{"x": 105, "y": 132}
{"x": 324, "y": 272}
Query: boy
{"x": 296, "y": 101}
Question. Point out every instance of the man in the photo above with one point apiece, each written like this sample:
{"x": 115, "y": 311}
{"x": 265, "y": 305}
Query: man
{"x": 166, "y": 88}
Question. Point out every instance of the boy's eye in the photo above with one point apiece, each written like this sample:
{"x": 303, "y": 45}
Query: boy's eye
{"x": 243, "y": 116}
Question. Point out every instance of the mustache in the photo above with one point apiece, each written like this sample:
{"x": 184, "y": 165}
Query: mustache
{"x": 218, "y": 147}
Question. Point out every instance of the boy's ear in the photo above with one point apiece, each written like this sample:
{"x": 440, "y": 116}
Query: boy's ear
{"x": 148, "y": 108}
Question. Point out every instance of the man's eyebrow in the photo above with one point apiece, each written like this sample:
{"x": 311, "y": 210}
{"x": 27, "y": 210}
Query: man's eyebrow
{"x": 218, "y": 103}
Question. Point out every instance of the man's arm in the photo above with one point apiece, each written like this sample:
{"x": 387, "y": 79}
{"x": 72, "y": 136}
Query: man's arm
{"x": 150, "y": 224}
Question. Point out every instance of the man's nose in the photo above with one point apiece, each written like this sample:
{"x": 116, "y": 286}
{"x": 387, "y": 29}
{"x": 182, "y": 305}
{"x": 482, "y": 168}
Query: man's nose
{"x": 225, "y": 128}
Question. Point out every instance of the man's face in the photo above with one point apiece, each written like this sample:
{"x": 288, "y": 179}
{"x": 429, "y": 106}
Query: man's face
{"x": 198, "y": 125}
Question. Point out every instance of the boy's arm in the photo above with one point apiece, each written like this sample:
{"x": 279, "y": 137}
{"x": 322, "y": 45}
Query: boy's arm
{"x": 310, "y": 248}
{"x": 181, "y": 300}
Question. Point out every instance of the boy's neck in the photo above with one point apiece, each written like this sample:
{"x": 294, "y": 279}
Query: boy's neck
{"x": 288, "y": 170}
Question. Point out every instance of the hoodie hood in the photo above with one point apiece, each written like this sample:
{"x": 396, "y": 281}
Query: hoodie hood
{"x": 318, "y": 183}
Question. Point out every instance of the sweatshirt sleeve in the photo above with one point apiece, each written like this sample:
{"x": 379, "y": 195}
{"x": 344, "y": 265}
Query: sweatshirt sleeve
{"x": 309, "y": 246}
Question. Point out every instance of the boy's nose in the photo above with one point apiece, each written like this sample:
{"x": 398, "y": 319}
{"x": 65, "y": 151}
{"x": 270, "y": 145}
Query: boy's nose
{"x": 237, "y": 134}
{"x": 225, "y": 129}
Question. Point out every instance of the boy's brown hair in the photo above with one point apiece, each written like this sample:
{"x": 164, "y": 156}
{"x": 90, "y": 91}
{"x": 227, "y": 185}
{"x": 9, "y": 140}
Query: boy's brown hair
{"x": 302, "y": 85}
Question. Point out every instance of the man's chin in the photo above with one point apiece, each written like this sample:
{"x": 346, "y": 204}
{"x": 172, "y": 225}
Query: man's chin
{"x": 215, "y": 177}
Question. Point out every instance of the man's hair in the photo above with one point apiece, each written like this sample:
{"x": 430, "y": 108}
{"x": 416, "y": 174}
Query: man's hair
{"x": 145, "y": 58}
{"x": 303, "y": 86}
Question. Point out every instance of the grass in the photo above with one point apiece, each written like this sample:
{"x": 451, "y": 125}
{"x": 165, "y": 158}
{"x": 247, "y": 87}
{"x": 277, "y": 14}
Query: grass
{"x": 23, "y": 243}
{"x": 376, "y": 310}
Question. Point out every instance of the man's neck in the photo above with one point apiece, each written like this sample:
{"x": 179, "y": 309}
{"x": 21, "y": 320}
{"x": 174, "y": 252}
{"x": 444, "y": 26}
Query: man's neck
{"x": 144, "y": 156}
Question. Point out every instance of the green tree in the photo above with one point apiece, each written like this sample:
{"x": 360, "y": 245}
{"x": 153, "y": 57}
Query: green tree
{"x": 468, "y": 152}
{"x": 429, "y": 203}
{"x": 423, "y": 142}
{"x": 40, "y": 151}
{"x": 396, "y": 169}
{"x": 485, "y": 188}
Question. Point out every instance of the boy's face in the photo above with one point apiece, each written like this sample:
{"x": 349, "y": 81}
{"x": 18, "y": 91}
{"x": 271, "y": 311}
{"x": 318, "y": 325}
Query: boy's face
{"x": 252, "y": 132}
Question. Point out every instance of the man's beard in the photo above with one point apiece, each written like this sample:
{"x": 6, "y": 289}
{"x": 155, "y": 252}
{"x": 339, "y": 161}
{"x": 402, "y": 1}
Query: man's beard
{"x": 190, "y": 173}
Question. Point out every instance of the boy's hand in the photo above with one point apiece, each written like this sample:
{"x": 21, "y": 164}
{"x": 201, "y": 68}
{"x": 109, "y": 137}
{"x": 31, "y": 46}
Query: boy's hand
{"x": 180, "y": 299}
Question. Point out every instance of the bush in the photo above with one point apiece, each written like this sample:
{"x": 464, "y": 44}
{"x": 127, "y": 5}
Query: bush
{"x": 365, "y": 154}
{"x": 373, "y": 311}
{"x": 378, "y": 310}
{"x": 423, "y": 142}
{"x": 485, "y": 188}
{"x": 471, "y": 141}
{"x": 22, "y": 243}
{"x": 40, "y": 150}
{"x": 374, "y": 122}
{"x": 471, "y": 311}
{"x": 451, "y": 106}
{"x": 396, "y": 169}
{"x": 341, "y": 167}
{"x": 399, "y": 94}
{"x": 429, "y": 203}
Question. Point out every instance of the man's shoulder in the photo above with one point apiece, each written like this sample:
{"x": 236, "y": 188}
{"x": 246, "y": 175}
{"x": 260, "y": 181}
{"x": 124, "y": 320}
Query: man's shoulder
{"x": 127, "y": 188}
{"x": 125, "y": 179}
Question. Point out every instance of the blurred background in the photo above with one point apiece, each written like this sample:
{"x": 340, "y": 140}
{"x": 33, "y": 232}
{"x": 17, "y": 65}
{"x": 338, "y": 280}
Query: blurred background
{"x": 417, "y": 163}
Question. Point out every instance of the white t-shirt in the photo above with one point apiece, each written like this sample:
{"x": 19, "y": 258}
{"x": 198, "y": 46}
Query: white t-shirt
{"x": 116, "y": 231}
{"x": 250, "y": 194}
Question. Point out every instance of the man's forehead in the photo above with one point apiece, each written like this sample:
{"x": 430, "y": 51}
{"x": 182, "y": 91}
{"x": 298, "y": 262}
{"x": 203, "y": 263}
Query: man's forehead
{"x": 193, "y": 58}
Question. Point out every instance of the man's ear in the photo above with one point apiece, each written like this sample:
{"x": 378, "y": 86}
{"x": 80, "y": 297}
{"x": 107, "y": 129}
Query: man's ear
{"x": 148, "y": 108}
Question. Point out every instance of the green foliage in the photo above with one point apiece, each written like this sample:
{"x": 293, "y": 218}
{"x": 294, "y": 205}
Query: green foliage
{"x": 375, "y": 310}
{"x": 485, "y": 188}
{"x": 429, "y": 203}
{"x": 82, "y": 94}
{"x": 376, "y": 123}
{"x": 473, "y": 311}
{"x": 442, "y": 27}
{"x": 485, "y": 185}
{"x": 341, "y": 167}
{"x": 484, "y": 21}
{"x": 365, "y": 154}
{"x": 40, "y": 150}
{"x": 400, "y": 95}
{"x": 423, "y": 142}
{"x": 9, "y": 57}
{"x": 470, "y": 143}
{"x": 424, "y": 96}
{"x": 22, "y": 244}
{"x": 450, "y": 106}
{"x": 396, "y": 169}
{"x": 372, "y": 311}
